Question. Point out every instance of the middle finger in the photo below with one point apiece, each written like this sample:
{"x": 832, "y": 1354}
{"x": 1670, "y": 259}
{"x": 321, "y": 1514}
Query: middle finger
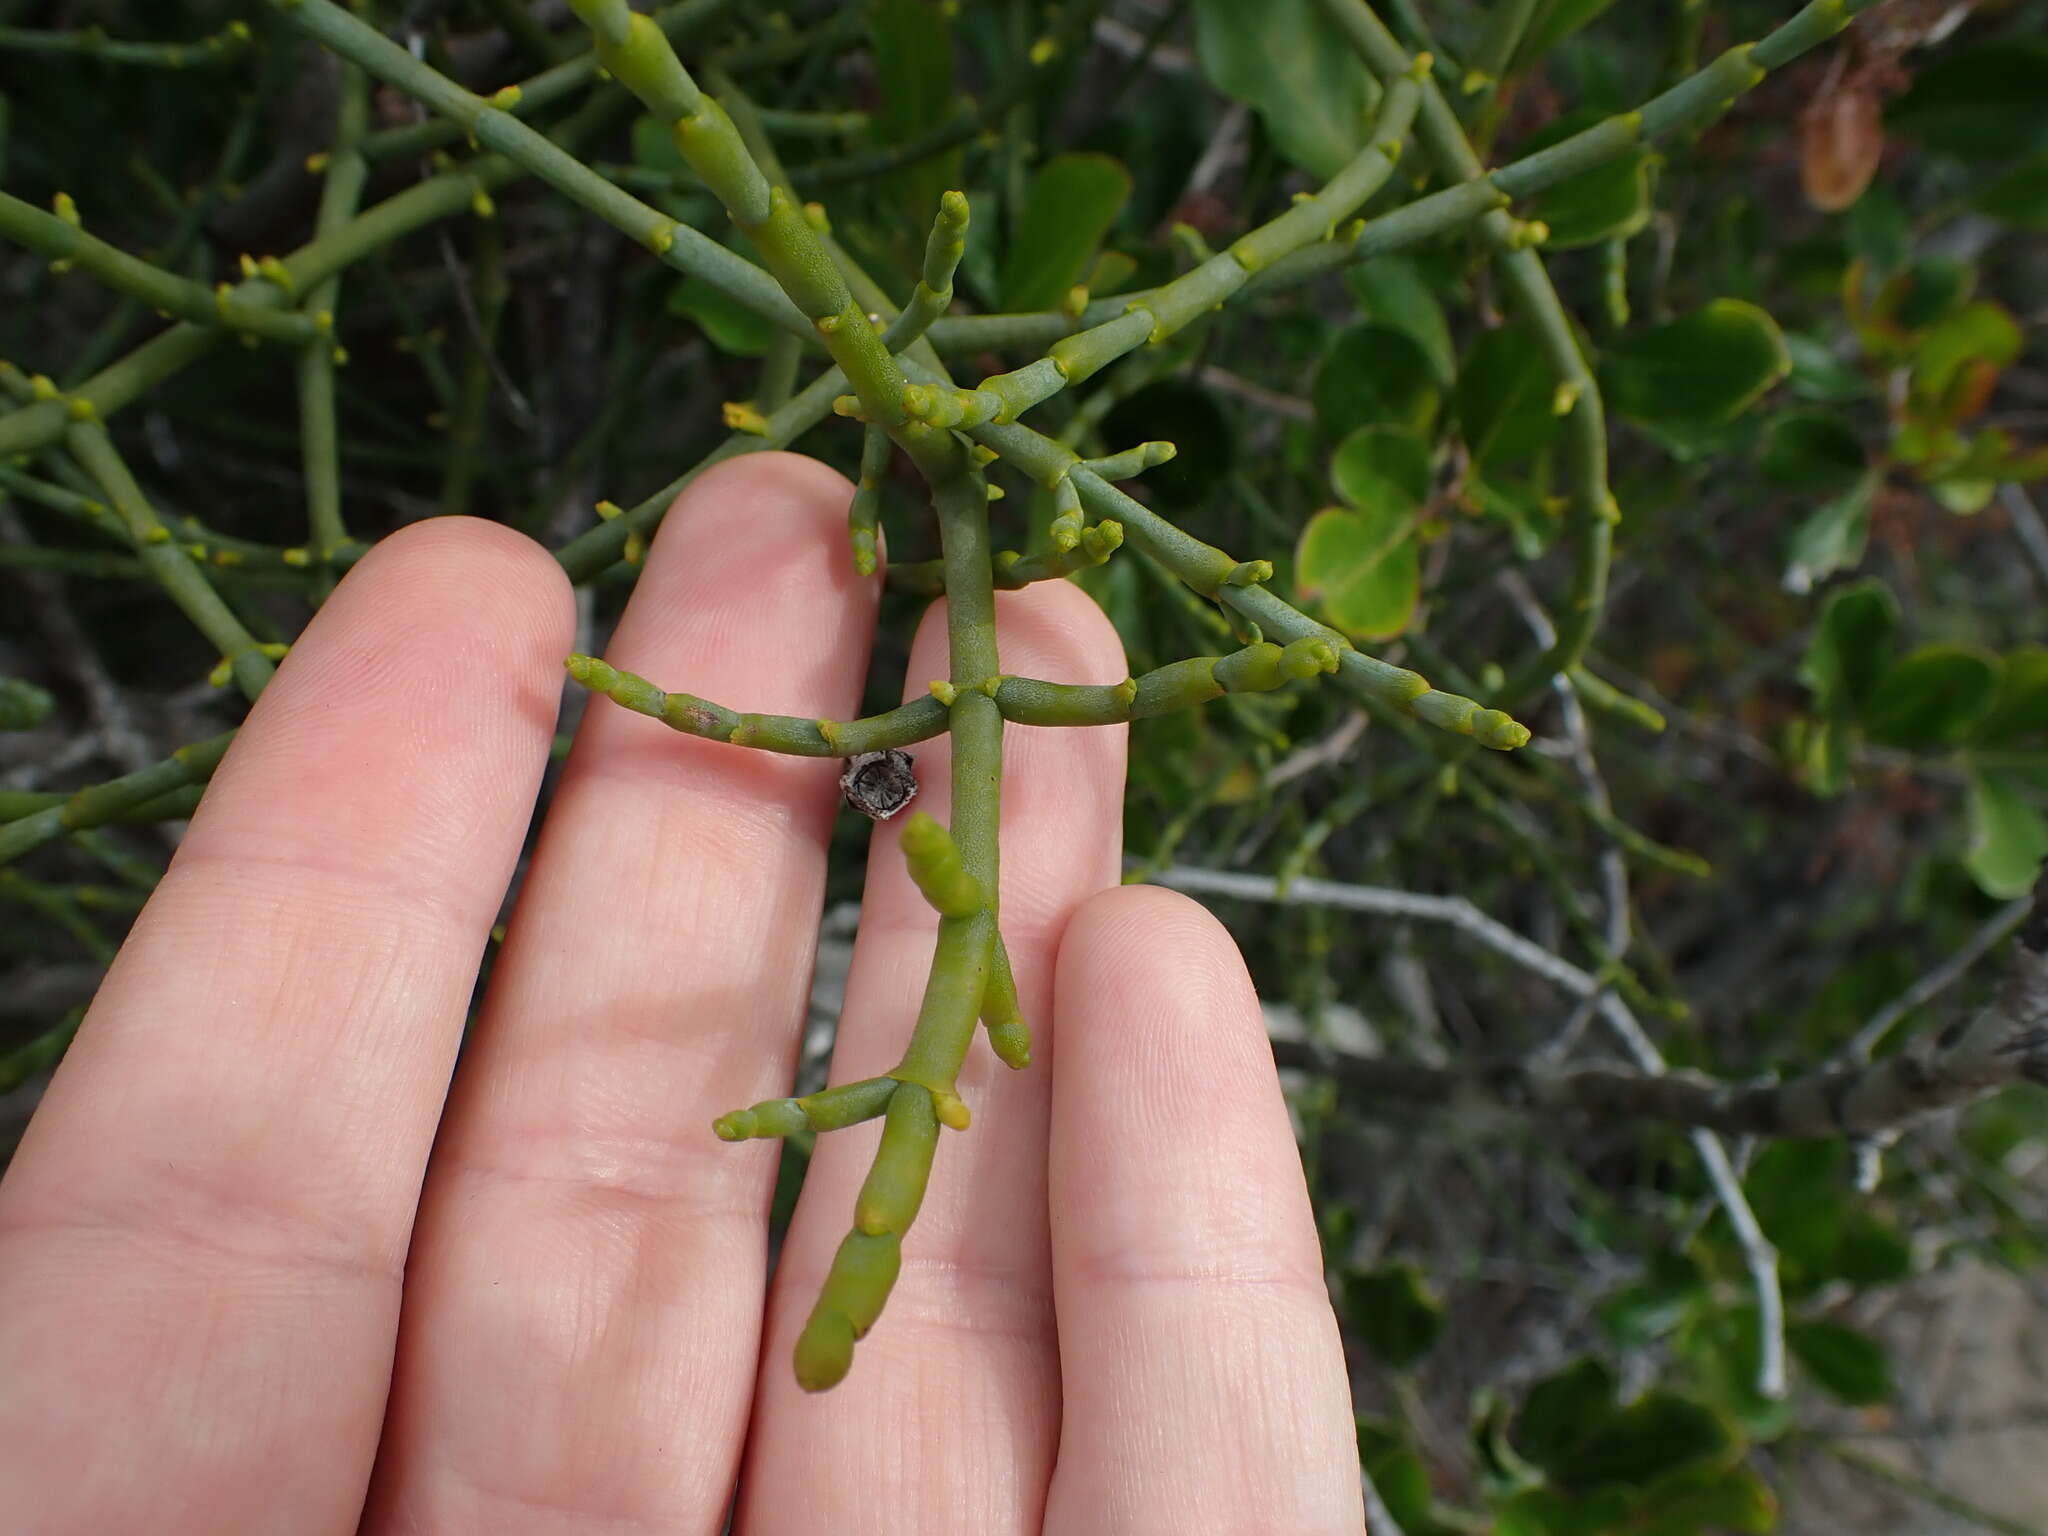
{"x": 579, "y": 1332}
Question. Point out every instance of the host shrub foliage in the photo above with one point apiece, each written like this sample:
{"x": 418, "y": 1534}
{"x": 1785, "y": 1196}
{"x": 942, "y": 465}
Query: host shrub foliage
{"x": 780, "y": 195}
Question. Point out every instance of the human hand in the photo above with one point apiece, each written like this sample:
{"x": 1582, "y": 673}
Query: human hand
{"x": 263, "y": 1269}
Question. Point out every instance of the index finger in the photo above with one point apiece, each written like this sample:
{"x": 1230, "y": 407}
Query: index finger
{"x": 203, "y": 1233}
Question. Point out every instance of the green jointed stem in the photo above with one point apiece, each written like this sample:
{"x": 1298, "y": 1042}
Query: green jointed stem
{"x": 1154, "y": 317}
{"x": 99, "y": 804}
{"x": 173, "y": 565}
{"x": 320, "y": 448}
{"x": 864, "y": 515}
{"x": 934, "y": 292}
{"x": 1014, "y": 570}
{"x": 224, "y": 46}
{"x": 61, "y": 238}
{"x": 831, "y": 1109}
{"x": 1002, "y": 1015}
{"x": 919, "y": 720}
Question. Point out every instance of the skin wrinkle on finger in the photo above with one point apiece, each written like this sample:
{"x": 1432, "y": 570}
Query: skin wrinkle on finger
{"x": 956, "y": 1390}
{"x": 1202, "y": 1277}
{"x": 584, "y": 1296}
{"x": 242, "y": 1124}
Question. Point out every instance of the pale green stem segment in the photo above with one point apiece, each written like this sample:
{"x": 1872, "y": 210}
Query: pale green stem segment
{"x": 98, "y": 804}
{"x": 1002, "y": 1015}
{"x": 173, "y": 565}
{"x": 1157, "y": 316}
{"x": 919, "y": 720}
{"x": 224, "y": 46}
{"x": 319, "y": 446}
{"x": 1014, "y": 570}
{"x": 933, "y": 295}
{"x": 831, "y": 1109}
{"x": 61, "y": 236}
{"x": 935, "y": 867}
{"x": 864, "y": 515}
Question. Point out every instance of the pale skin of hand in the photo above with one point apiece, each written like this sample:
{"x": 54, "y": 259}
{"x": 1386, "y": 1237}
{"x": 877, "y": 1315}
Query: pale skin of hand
{"x": 265, "y": 1268}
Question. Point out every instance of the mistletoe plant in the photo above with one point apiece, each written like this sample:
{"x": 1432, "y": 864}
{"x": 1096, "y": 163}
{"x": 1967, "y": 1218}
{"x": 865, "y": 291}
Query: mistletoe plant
{"x": 889, "y": 371}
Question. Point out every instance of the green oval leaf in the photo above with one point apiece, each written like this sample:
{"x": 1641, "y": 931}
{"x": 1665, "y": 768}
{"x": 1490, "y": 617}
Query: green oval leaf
{"x": 2008, "y": 837}
{"x": 2022, "y": 707}
{"x": 730, "y": 325}
{"x": 1932, "y": 697}
{"x": 1850, "y": 1365}
{"x": 1363, "y": 570}
{"x": 1812, "y": 451}
{"x": 1831, "y": 537}
{"x": 1851, "y": 645}
{"x": 1287, "y": 60}
{"x": 1700, "y": 370}
{"x": 1375, "y": 374}
{"x": 1381, "y": 469}
{"x": 1393, "y": 1313}
{"x": 1505, "y": 397}
{"x": 1657, "y": 1434}
{"x": 1074, "y": 199}
{"x": 1391, "y": 292}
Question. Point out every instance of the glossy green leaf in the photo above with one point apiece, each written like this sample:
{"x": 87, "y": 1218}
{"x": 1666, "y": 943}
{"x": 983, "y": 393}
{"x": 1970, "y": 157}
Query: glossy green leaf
{"x": 1801, "y": 1194}
{"x": 1549, "y": 1512}
{"x": 731, "y": 326}
{"x": 1656, "y": 1434}
{"x": 1505, "y": 397}
{"x": 1984, "y": 102}
{"x": 1850, "y": 1365}
{"x": 1074, "y": 199}
{"x": 1392, "y": 292}
{"x": 1851, "y": 647}
{"x": 1375, "y": 374}
{"x": 1393, "y": 1313}
{"x": 1287, "y": 60}
{"x": 1608, "y": 202}
{"x": 912, "y": 45}
{"x": 2008, "y": 836}
{"x": 1831, "y": 537}
{"x": 1381, "y": 469}
{"x": 1561, "y": 1408}
{"x": 1699, "y": 370}
{"x": 1932, "y": 696}
{"x": 1872, "y": 1251}
{"x": 1812, "y": 451}
{"x": 1699, "y": 1500}
{"x": 2020, "y": 196}
{"x": 2022, "y": 707}
{"x": 1362, "y": 570}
